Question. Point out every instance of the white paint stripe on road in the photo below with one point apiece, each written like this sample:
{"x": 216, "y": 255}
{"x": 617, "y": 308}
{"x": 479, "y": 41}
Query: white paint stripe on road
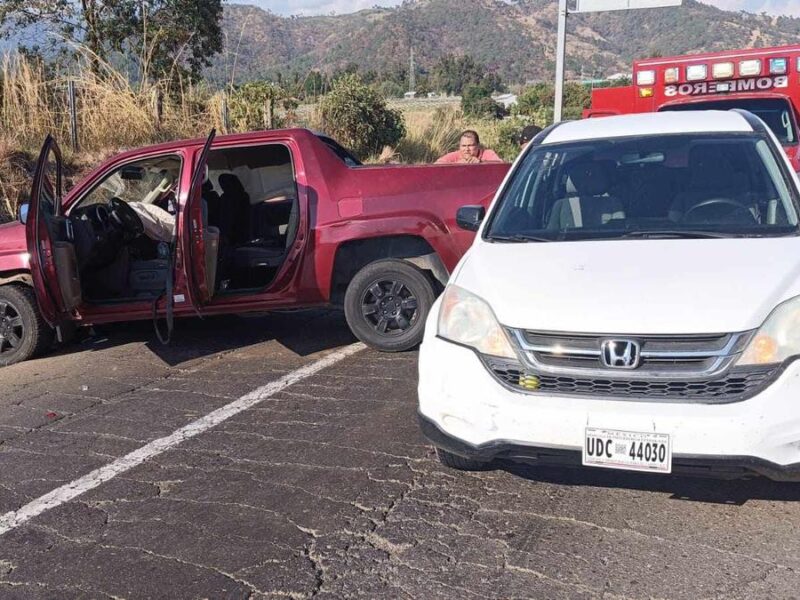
{"x": 75, "y": 488}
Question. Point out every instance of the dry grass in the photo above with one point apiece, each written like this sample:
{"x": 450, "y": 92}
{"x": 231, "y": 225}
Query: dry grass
{"x": 431, "y": 133}
{"x": 112, "y": 114}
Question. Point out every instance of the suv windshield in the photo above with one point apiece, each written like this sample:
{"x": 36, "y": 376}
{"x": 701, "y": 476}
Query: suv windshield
{"x": 775, "y": 112}
{"x": 687, "y": 185}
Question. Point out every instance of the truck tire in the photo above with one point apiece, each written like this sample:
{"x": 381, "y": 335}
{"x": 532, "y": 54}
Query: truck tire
{"x": 386, "y": 305}
{"x": 454, "y": 461}
{"x": 23, "y": 331}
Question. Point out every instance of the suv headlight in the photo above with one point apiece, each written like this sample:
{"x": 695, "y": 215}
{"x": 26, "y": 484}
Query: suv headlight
{"x": 466, "y": 319}
{"x": 777, "y": 339}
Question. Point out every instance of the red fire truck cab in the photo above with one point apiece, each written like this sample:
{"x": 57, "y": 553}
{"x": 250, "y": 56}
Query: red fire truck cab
{"x": 764, "y": 81}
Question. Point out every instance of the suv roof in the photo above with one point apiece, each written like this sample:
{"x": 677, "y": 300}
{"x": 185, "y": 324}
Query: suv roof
{"x": 705, "y": 121}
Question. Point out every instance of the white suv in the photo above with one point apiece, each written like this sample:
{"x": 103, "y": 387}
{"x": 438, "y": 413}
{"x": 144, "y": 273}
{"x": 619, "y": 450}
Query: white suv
{"x": 631, "y": 301}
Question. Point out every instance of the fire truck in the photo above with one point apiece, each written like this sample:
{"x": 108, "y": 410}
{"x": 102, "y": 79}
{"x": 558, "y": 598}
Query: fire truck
{"x": 765, "y": 81}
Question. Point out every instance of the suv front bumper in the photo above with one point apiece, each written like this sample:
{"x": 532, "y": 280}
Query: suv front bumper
{"x": 463, "y": 409}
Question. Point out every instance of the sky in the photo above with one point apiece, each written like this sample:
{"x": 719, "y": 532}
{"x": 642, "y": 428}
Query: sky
{"x": 316, "y": 7}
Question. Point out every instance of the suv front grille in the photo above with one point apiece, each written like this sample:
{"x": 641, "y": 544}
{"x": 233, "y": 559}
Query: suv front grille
{"x": 737, "y": 384}
{"x": 662, "y": 357}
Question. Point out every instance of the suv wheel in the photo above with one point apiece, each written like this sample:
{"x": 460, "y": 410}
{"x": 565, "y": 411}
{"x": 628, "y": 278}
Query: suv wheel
{"x": 23, "y": 331}
{"x": 454, "y": 461}
{"x": 386, "y": 305}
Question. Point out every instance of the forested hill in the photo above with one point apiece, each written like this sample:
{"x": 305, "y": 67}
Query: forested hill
{"x": 517, "y": 39}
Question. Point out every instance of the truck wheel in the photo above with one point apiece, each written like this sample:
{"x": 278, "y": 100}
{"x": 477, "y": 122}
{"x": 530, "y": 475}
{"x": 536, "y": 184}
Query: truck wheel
{"x": 386, "y": 305}
{"x": 23, "y": 331}
{"x": 454, "y": 461}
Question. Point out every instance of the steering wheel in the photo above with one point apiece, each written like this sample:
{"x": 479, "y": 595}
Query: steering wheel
{"x": 125, "y": 217}
{"x": 736, "y": 208}
{"x": 101, "y": 215}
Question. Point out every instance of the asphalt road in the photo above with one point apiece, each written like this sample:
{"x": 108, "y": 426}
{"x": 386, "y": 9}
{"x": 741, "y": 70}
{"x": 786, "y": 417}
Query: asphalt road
{"x": 326, "y": 489}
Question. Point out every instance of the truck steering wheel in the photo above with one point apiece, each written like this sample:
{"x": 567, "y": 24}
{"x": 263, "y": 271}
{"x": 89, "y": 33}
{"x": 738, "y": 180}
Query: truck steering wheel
{"x": 732, "y": 211}
{"x": 126, "y": 218}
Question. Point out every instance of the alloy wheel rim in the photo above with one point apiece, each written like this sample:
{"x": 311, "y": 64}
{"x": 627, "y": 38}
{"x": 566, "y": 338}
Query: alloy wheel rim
{"x": 389, "y": 306}
{"x": 12, "y": 329}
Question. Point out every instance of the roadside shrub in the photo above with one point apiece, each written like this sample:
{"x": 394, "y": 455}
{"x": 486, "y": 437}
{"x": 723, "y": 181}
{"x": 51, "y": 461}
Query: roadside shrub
{"x": 537, "y": 102}
{"x": 250, "y": 106}
{"x": 508, "y": 133}
{"x": 390, "y": 89}
{"x": 357, "y": 116}
{"x": 477, "y": 102}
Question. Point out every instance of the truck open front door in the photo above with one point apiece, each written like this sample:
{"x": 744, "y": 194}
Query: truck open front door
{"x": 203, "y": 240}
{"x": 54, "y": 267}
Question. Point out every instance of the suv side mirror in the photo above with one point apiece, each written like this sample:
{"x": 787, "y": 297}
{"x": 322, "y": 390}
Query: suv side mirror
{"x": 22, "y": 213}
{"x": 470, "y": 217}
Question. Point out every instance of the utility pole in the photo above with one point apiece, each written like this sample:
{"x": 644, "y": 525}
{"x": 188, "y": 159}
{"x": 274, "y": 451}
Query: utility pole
{"x": 585, "y": 6}
{"x": 561, "y": 52}
{"x": 412, "y": 75}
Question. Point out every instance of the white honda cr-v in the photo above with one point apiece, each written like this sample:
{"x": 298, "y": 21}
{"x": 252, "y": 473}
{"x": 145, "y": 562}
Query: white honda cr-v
{"x": 631, "y": 301}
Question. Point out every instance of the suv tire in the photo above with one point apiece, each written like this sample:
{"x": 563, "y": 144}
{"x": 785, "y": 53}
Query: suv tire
{"x": 23, "y": 331}
{"x": 386, "y": 305}
{"x": 454, "y": 461}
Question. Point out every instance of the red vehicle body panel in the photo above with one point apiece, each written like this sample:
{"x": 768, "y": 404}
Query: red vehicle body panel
{"x": 629, "y": 99}
{"x": 338, "y": 204}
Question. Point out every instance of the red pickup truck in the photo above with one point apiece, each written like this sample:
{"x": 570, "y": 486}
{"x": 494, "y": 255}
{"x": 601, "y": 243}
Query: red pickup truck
{"x": 230, "y": 224}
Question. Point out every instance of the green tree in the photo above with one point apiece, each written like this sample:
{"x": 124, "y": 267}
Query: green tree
{"x": 168, "y": 37}
{"x": 357, "y": 115}
{"x": 252, "y": 106}
{"x": 314, "y": 85}
{"x": 537, "y": 101}
{"x": 476, "y": 101}
{"x": 452, "y": 74}
{"x": 390, "y": 89}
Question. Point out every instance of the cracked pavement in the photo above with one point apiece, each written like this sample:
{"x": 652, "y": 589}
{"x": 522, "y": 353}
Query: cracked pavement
{"x": 327, "y": 489}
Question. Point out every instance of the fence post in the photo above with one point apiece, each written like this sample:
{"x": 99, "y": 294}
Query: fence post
{"x": 226, "y": 117}
{"x": 269, "y": 109}
{"x": 73, "y": 115}
{"x": 158, "y": 107}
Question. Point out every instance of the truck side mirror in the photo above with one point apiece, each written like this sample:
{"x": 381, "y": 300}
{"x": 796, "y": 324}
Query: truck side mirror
{"x": 470, "y": 217}
{"x": 22, "y": 213}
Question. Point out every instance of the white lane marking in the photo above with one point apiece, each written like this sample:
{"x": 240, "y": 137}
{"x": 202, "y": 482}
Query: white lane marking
{"x": 67, "y": 492}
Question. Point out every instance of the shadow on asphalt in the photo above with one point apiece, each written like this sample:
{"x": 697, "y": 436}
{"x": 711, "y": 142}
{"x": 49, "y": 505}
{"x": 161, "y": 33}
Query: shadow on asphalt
{"x": 303, "y": 332}
{"x": 690, "y": 488}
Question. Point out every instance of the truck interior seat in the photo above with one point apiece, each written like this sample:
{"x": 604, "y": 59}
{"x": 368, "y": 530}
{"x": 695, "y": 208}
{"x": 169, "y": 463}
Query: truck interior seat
{"x": 253, "y": 262}
{"x": 587, "y": 203}
{"x": 258, "y": 196}
{"x": 234, "y": 210}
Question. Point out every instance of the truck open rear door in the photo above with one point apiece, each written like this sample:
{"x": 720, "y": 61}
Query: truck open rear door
{"x": 203, "y": 239}
{"x": 54, "y": 266}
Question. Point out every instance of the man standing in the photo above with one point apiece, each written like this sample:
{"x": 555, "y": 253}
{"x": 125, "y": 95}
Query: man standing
{"x": 469, "y": 151}
{"x": 528, "y": 133}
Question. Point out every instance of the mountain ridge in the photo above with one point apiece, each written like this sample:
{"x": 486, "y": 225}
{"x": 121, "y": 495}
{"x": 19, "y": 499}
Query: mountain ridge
{"x": 515, "y": 39}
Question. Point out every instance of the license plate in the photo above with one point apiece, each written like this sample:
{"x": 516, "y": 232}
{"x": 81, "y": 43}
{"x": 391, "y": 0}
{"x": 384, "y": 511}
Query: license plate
{"x": 630, "y": 450}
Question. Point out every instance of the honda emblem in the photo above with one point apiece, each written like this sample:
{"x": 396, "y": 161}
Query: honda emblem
{"x": 620, "y": 354}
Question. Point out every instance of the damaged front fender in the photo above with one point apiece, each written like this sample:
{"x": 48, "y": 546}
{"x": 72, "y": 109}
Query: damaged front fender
{"x": 24, "y": 278}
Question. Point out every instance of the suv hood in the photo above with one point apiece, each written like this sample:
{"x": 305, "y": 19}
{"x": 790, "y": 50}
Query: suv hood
{"x": 634, "y": 286}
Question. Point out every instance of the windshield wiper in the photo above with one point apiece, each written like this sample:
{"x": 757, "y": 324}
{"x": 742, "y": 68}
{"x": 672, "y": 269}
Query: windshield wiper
{"x": 673, "y": 233}
{"x": 518, "y": 238}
